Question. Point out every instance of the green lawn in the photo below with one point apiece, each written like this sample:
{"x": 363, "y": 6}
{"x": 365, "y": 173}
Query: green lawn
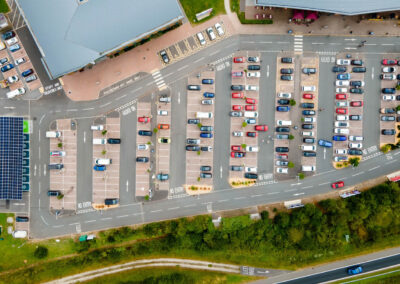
{"x": 4, "y": 7}
{"x": 235, "y": 7}
{"x": 170, "y": 276}
{"x": 193, "y": 7}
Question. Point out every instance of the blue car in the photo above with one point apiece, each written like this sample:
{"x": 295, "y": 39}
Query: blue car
{"x": 283, "y": 108}
{"x": 344, "y": 76}
{"x": 325, "y": 143}
{"x": 27, "y": 72}
{"x": 14, "y": 47}
{"x": 7, "y": 67}
{"x": 389, "y": 91}
{"x": 339, "y": 138}
{"x": 354, "y": 270}
{"x": 209, "y": 95}
{"x": 99, "y": 168}
{"x": 207, "y": 81}
{"x": 206, "y": 135}
{"x": 308, "y": 112}
{"x": 8, "y": 35}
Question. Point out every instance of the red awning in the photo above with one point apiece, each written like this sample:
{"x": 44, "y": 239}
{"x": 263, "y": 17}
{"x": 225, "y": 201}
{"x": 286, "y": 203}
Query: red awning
{"x": 312, "y": 16}
{"x": 394, "y": 179}
{"x": 298, "y": 15}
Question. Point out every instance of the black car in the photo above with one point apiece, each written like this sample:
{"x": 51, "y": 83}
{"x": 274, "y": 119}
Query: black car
{"x": 114, "y": 141}
{"x": 254, "y": 67}
{"x": 398, "y": 98}
{"x": 398, "y": 119}
{"x": 193, "y": 121}
{"x": 111, "y": 201}
{"x": 356, "y": 152}
{"x": 55, "y": 166}
{"x": 142, "y": 159}
{"x": 282, "y": 129}
{"x": 282, "y": 149}
{"x": 192, "y": 148}
{"x": 251, "y": 176}
{"x": 237, "y": 168}
{"x": 286, "y": 60}
{"x": 307, "y": 105}
{"x": 286, "y": 77}
{"x": 398, "y": 75}
{"x": 308, "y": 112}
{"x": 286, "y": 70}
{"x": 356, "y": 83}
{"x": 283, "y": 102}
{"x": 357, "y": 62}
{"x": 22, "y": 219}
{"x": 309, "y": 154}
{"x": 53, "y": 193}
{"x": 206, "y": 128}
{"x": 339, "y": 69}
{"x": 307, "y": 126}
{"x": 388, "y": 131}
{"x": 237, "y": 87}
{"x": 356, "y": 91}
{"x": 390, "y": 91}
{"x": 164, "y": 56}
{"x": 8, "y": 35}
{"x": 309, "y": 140}
{"x": 309, "y": 71}
{"x": 205, "y": 168}
{"x": 355, "y": 117}
{"x": 359, "y": 69}
{"x": 145, "y": 133}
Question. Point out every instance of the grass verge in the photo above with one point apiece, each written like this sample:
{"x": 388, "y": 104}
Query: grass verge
{"x": 193, "y": 7}
{"x": 4, "y": 7}
{"x": 171, "y": 276}
{"x": 235, "y": 7}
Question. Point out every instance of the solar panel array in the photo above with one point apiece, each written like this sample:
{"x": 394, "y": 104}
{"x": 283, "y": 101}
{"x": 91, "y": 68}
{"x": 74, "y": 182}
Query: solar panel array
{"x": 11, "y": 145}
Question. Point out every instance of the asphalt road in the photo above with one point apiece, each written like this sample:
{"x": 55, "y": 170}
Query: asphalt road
{"x": 49, "y": 108}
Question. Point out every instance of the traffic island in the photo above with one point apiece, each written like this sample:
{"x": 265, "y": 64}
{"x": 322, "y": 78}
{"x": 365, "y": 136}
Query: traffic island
{"x": 236, "y": 183}
{"x": 192, "y": 189}
{"x": 345, "y": 164}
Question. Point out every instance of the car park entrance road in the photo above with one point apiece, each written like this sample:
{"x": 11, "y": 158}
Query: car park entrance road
{"x": 47, "y": 109}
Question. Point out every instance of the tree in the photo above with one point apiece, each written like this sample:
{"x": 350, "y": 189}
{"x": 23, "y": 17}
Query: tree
{"x": 398, "y": 108}
{"x": 244, "y": 124}
{"x": 291, "y": 137}
{"x": 292, "y": 102}
{"x": 146, "y": 198}
{"x": 199, "y": 125}
{"x": 198, "y": 153}
{"x": 244, "y": 146}
{"x": 60, "y": 145}
{"x": 104, "y": 132}
{"x": 103, "y": 152}
{"x": 290, "y": 165}
{"x": 354, "y": 161}
{"x": 398, "y": 87}
{"x": 41, "y": 252}
{"x": 155, "y": 130}
{"x": 385, "y": 148}
{"x": 301, "y": 176}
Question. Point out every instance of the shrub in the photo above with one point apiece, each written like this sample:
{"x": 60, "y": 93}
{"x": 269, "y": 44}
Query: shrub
{"x": 385, "y": 148}
{"x": 339, "y": 165}
{"x": 146, "y": 198}
{"x": 198, "y": 153}
{"x": 155, "y": 130}
{"x": 354, "y": 162}
{"x": 301, "y": 176}
{"x": 244, "y": 146}
{"x": 291, "y": 137}
{"x": 103, "y": 152}
{"x": 59, "y": 145}
{"x": 104, "y": 132}
{"x": 198, "y": 179}
{"x": 61, "y": 196}
{"x": 290, "y": 165}
{"x": 199, "y": 125}
{"x": 41, "y": 252}
{"x": 292, "y": 102}
{"x": 244, "y": 124}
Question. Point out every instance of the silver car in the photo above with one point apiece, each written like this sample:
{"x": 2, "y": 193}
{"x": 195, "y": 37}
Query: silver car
{"x": 207, "y": 102}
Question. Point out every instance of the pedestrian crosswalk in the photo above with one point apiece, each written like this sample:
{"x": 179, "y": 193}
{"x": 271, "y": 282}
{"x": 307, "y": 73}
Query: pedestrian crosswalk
{"x": 298, "y": 44}
{"x": 157, "y": 76}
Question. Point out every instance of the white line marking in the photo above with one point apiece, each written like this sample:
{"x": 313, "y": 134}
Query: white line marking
{"x": 90, "y": 221}
{"x": 155, "y": 211}
{"x": 122, "y": 216}
{"x": 190, "y": 205}
{"x": 198, "y": 60}
{"x": 270, "y": 193}
{"x": 374, "y": 168}
{"x": 109, "y": 218}
{"x": 105, "y": 104}
{"x": 297, "y": 194}
{"x": 173, "y": 208}
{"x": 183, "y": 67}
{"x": 256, "y": 195}
{"x": 357, "y": 174}
{"x": 223, "y": 200}
{"x": 323, "y": 183}
{"x": 307, "y": 186}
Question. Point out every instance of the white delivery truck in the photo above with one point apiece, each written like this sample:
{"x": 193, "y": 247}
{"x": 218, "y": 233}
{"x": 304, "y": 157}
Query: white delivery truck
{"x": 104, "y": 162}
{"x": 53, "y": 134}
{"x": 200, "y": 114}
{"x": 16, "y": 92}
{"x": 308, "y": 168}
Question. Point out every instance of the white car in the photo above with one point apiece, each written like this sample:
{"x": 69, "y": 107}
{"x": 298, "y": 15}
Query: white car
{"x": 201, "y": 39}
{"x": 388, "y": 76}
{"x": 97, "y": 127}
{"x": 57, "y": 154}
{"x": 237, "y": 133}
{"x": 340, "y": 159}
{"x": 253, "y": 74}
{"x": 388, "y": 69}
{"x": 284, "y": 95}
{"x": 12, "y": 41}
{"x": 341, "y": 83}
{"x": 309, "y": 88}
{"x": 342, "y": 117}
{"x": 343, "y": 62}
{"x": 162, "y": 112}
{"x": 12, "y": 79}
{"x": 250, "y": 169}
{"x": 342, "y": 104}
{"x": 342, "y": 131}
{"x": 251, "y": 88}
{"x": 310, "y": 119}
{"x": 389, "y": 98}
{"x": 356, "y": 138}
{"x": 19, "y": 61}
{"x": 219, "y": 29}
{"x": 341, "y": 151}
{"x": 282, "y": 170}
{"x": 142, "y": 147}
{"x": 355, "y": 145}
{"x": 211, "y": 34}
{"x": 251, "y": 148}
{"x": 341, "y": 90}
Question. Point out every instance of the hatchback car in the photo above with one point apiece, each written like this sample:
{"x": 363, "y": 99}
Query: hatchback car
{"x": 309, "y": 71}
{"x": 339, "y": 138}
{"x": 282, "y": 136}
{"x": 237, "y": 168}
{"x": 286, "y": 77}
{"x": 357, "y": 84}
{"x": 283, "y": 108}
{"x": 143, "y": 119}
{"x": 251, "y": 101}
{"x": 309, "y": 140}
{"x": 164, "y": 140}
{"x": 238, "y": 95}
{"x": 237, "y": 133}
{"x": 237, "y": 107}
{"x": 307, "y": 126}
{"x": 341, "y": 110}
{"x": 145, "y": 133}
{"x": 238, "y": 154}
{"x": 12, "y": 79}
{"x": 253, "y": 59}
{"x": 338, "y": 69}
{"x": 238, "y": 60}
{"x": 309, "y": 154}
{"x": 205, "y": 168}
{"x": 205, "y": 175}
{"x": 282, "y": 149}
{"x": 250, "y": 108}
{"x": 343, "y": 62}
{"x": 283, "y": 101}
{"x": 282, "y": 129}
{"x": 194, "y": 87}
{"x": 355, "y": 152}
{"x": 207, "y": 102}
{"x": 253, "y": 74}
{"x": 7, "y": 68}
{"x": 219, "y": 29}
{"x": 27, "y": 72}
{"x": 236, "y": 148}
{"x": 207, "y": 81}
{"x": 162, "y": 177}
{"x": 192, "y": 141}
{"x": 337, "y": 184}
{"x": 237, "y": 74}
{"x": 208, "y": 95}
{"x": 206, "y": 128}
{"x": 30, "y": 78}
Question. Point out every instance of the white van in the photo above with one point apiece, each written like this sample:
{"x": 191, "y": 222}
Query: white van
{"x": 250, "y": 114}
{"x": 342, "y": 131}
{"x": 99, "y": 141}
{"x": 53, "y": 134}
{"x": 201, "y": 38}
{"x": 284, "y": 122}
{"x": 308, "y": 147}
{"x": 308, "y": 133}
{"x": 308, "y": 168}
{"x": 16, "y": 92}
{"x": 104, "y": 162}
{"x": 19, "y": 234}
{"x": 309, "y": 88}
{"x": 200, "y": 114}
{"x": 97, "y": 127}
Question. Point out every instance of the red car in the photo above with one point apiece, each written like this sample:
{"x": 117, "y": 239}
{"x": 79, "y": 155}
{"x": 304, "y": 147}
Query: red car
{"x": 237, "y": 107}
{"x": 238, "y": 60}
{"x": 251, "y": 101}
{"x": 282, "y": 156}
{"x": 163, "y": 126}
{"x": 143, "y": 119}
{"x": 237, "y": 74}
{"x": 356, "y": 104}
{"x": 238, "y": 154}
{"x": 261, "y": 127}
{"x": 239, "y": 95}
{"x": 308, "y": 96}
{"x": 236, "y": 148}
{"x": 337, "y": 184}
{"x": 250, "y": 107}
{"x": 341, "y": 110}
{"x": 389, "y": 62}
{"x": 251, "y": 134}
{"x": 341, "y": 96}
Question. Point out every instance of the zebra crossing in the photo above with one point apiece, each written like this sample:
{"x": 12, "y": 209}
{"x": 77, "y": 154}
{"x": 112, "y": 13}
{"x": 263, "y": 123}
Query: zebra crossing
{"x": 298, "y": 44}
{"x": 159, "y": 80}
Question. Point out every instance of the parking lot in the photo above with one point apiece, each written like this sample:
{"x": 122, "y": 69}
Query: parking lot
{"x": 106, "y": 159}
{"x": 63, "y": 152}
{"x": 163, "y": 149}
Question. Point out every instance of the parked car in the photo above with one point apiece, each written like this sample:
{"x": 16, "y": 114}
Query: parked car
{"x": 308, "y": 112}
{"x": 207, "y": 102}
{"x": 282, "y": 129}
{"x": 251, "y": 134}
{"x": 7, "y": 67}
{"x": 355, "y": 117}
{"x": 30, "y": 78}
{"x": 237, "y": 87}
{"x": 14, "y": 47}
{"x": 207, "y": 81}
{"x": 192, "y": 148}
{"x": 193, "y": 121}
{"x": 388, "y": 98}
{"x": 282, "y": 149}
{"x": 253, "y": 74}
{"x": 237, "y": 74}
{"x": 250, "y": 175}
{"x": 12, "y": 79}
{"x": 164, "y": 140}
{"x": 388, "y": 132}
{"x": 387, "y": 110}
{"x": 208, "y": 95}
{"x": 388, "y": 69}
{"x": 388, "y": 118}
{"x": 307, "y": 105}
{"x": 164, "y": 56}
{"x": 114, "y": 141}
{"x": 287, "y": 71}
{"x": 388, "y": 91}
{"x": 238, "y": 154}
{"x": 338, "y": 69}
{"x": 283, "y": 101}
{"x": 27, "y": 72}
{"x": 237, "y": 168}
{"x": 237, "y": 95}
{"x": 388, "y": 76}
{"x": 309, "y": 71}
{"x": 283, "y": 108}
{"x": 254, "y": 67}
{"x": 194, "y": 87}
{"x": 356, "y": 91}
{"x": 206, "y": 135}
{"x": 344, "y": 76}
{"x": 286, "y": 60}
{"x": 219, "y": 29}
{"x": 343, "y": 62}
{"x": 253, "y": 59}
{"x": 99, "y": 168}
{"x": 145, "y": 133}
{"x": 261, "y": 127}
{"x": 251, "y": 101}
{"x": 309, "y": 140}
{"x": 359, "y": 69}
{"x": 206, "y": 128}
{"x": 142, "y": 159}
{"x": 211, "y": 34}
{"x": 287, "y": 77}
{"x": 238, "y": 59}
{"x": 339, "y": 138}
{"x": 205, "y": 168}
{"x": 341, "y": 96}
{"x": 8, "y": 35}
{"x": 357, "y": 62}
{"x": 308, "y": 96}
{"x": 325, "y": 143}
{"x": 235, "y": 114}
{"x": 354, "y": 152}
{"x": 282, "y": 136}
{"x": 357, "y": 83}
{"x": 192, "y": 141}
{"x": 389, "y": 62}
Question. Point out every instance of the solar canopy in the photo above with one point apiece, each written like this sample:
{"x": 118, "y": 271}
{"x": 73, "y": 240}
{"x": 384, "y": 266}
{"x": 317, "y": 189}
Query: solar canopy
{"x": 11, "y": 143}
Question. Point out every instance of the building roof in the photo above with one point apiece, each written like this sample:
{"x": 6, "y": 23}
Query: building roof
{"x": 73, "y": 33}
{"x": 344, "y": 7}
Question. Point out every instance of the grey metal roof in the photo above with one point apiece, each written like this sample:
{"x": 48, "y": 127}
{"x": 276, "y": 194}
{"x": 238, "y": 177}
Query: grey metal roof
{"x": 344, "y": 7}
{"x": 71, "y": 35}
